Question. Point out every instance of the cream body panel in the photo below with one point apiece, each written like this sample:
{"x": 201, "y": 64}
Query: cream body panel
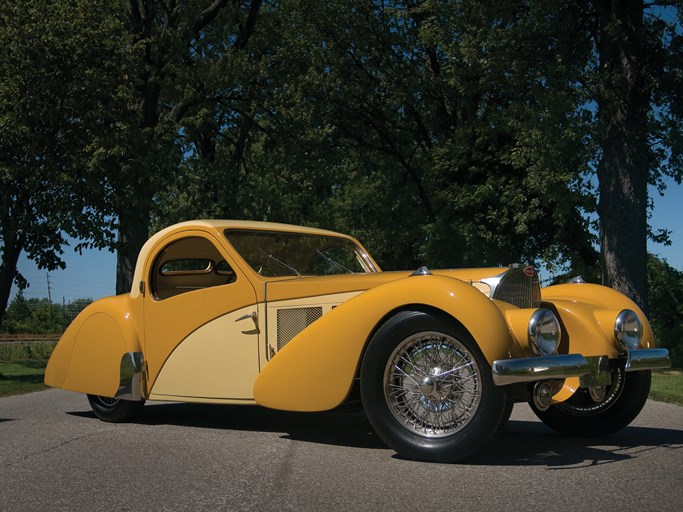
{"x": 220, "y": 360}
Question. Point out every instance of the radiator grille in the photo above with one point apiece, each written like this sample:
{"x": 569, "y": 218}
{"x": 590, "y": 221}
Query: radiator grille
{"x": 292, "y": 321}
{"x": 519, "y": 289}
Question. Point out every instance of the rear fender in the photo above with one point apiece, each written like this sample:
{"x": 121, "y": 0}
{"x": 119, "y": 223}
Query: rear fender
{"x": 100, "y": 352}
{"x": 316, "y": 369}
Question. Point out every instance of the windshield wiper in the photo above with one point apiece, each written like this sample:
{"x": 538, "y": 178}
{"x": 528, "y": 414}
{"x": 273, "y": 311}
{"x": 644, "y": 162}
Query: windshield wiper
{"x": 281, "y": 263}
{"x": 334, "y": 263}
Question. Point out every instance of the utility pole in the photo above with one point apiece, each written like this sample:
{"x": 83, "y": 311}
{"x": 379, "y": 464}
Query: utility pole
{"x": 49, "y": 292}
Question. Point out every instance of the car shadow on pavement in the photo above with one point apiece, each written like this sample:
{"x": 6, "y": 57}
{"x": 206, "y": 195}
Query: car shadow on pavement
{"x": 518, "y": 443}
{"x": 532, "y": 443}
{"x": 340, "y": 427}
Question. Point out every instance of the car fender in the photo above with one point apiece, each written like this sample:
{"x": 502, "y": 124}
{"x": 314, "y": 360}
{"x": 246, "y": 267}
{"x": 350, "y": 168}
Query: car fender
{"x": 590, "y": 311}
{"x": 100, "y": 352}
{"x": 316, "y": 369}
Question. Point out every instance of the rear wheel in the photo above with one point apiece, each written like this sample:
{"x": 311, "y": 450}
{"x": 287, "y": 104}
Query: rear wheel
{"x": 427, "y": 389}
{"x": 115, "y": 410}
{"x": 600, "y": 412}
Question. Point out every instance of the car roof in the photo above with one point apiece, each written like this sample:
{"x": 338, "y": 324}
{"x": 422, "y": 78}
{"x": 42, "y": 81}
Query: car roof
{"x": 217, "y": 226}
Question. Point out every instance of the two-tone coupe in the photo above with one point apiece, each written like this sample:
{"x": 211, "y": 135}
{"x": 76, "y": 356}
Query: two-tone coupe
{"x": 302, "y": 319}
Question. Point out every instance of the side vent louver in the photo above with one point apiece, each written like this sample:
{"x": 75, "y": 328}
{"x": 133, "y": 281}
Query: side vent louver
{"x": 292, "y": 321}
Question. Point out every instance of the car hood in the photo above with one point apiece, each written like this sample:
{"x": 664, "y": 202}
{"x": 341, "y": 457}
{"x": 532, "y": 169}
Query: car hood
{"x": 299, "y": 287}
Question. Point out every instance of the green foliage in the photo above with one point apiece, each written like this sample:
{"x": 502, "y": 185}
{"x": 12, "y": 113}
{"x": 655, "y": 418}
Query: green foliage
{"x": 446, "y": 133}
{"x": 28, "y": 350}
{"x": 666, "y": 308}
{"x": 39, "y": 316}
{"x": 439, "y": 135}
{"x": 58, "y": 63}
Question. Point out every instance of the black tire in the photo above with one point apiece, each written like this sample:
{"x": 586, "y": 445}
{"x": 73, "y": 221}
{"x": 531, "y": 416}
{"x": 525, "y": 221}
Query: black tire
{"x": 427, "y": 389}
{"x": 582, "y": 416}
{"x": 507, "y": 410}
{"x": 115, "y": 410}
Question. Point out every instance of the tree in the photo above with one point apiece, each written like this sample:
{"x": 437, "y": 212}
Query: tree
{"x": 58, "y": 63}
{"x": 175, "y": 50}
{"x": 633, "y": 46}
{"x": 445, "y": 133}
{"x": 665, "y": 288}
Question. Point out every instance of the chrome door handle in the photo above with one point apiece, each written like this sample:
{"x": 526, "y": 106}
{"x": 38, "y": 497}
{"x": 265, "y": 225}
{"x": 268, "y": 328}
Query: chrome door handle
{"x": 251, "y": 315}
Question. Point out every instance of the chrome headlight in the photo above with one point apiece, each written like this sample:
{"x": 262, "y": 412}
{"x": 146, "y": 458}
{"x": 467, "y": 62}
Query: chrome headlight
{"x": 628, "y": 329}
{"x": 544, "y": 332}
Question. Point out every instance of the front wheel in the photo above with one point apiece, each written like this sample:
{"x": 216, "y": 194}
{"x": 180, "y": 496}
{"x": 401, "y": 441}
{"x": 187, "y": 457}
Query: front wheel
{"x": 427, "y": 389}
{"x": 115, "y": 410}
{"x": 614, "y": 407}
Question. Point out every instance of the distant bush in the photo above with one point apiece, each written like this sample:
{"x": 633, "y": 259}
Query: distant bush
{"x": 40, "y": 316}
{"x": 24, "y": 350}
{"x": 665, "y": 288}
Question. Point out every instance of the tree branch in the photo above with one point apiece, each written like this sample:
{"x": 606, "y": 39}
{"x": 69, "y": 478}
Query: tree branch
{"x": 208, "y": 15}
{"x": 248, "y": 28}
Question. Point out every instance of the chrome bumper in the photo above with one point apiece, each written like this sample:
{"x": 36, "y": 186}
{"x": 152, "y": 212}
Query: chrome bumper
{"x": 563, "y": 366}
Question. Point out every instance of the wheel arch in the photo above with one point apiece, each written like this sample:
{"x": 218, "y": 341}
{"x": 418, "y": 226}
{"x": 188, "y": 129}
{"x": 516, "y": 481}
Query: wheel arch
{"x": 316, "y": 370}
{"x": 100, "y": 353}
{"x": 416, "y": 307}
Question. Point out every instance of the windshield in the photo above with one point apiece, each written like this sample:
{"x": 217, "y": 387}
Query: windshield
{"x": 275, "y": 254}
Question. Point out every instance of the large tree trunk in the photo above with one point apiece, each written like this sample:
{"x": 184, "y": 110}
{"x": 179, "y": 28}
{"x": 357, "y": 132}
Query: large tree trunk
{"x": 133, "y": 233}
{"x": 623, "y": 168}
{"x": 8, "y": 268}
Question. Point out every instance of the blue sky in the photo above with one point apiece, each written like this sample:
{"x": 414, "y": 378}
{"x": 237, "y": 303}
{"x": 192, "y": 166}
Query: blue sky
{"x": 93, "y": 274}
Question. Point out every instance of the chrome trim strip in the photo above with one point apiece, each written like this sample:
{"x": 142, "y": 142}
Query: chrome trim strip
{"x": 648, "y": 359}
{"x": 130, "y": 378}
{"x": 265, "y": 320}
{"x": 494, "y": 281}
{"x": 530, "y": 369}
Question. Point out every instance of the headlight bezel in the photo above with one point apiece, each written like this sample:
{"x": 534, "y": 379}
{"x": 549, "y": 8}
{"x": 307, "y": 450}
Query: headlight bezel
{"x": 628, "y": 329}
{"x": 544, "y": 332}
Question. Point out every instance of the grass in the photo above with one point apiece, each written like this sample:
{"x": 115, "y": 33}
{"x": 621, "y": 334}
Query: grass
{"x": 667, "y": 387}
{"x": 24, "y": 376}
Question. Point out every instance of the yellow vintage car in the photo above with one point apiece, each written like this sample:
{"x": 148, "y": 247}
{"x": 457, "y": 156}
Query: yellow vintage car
{"x": 302, "y": 319}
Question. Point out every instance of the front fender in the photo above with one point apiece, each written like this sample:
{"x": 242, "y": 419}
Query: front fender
{"x": 589, "y": 311}
{"x": 316, "y": 369}
{"x": 100, "y": 352}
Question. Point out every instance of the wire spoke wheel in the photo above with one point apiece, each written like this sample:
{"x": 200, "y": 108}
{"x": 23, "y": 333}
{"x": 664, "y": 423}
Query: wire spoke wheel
{"x": 427, "y": 389}
{"x": 602, "y": 411}
{"x": 115, "y": 410}
{"x": 106, "y": 402}
{"x": 432, "y": 384}
{"x": 583, "y": 404}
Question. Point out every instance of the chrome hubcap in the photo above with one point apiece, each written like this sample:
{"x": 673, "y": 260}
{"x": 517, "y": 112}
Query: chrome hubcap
{"x": 432, "y": 384}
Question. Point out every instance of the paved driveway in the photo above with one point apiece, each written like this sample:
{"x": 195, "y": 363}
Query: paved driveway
{"x": 54, "y": 455}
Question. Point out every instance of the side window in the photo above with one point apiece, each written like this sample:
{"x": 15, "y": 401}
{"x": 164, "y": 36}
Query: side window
{"x": 192, "y": 263}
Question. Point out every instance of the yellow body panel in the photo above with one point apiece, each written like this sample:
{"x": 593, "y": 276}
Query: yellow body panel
{"x": 315, "y": 371}
{"x": 88, "y": 356}
{"x": 592, "y": 309}
{"x": 587, "y": 313}
{"x": 170, "y": 321}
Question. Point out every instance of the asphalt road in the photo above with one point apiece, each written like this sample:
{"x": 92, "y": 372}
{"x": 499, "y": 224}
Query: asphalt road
{"x": 54, "y": 455}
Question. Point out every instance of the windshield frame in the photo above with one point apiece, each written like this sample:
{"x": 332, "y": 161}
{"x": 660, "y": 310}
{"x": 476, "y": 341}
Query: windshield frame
{"x": 259, "y": 250}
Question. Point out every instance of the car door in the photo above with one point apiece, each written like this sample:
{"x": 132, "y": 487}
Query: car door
{"x": 201, "y": 322}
